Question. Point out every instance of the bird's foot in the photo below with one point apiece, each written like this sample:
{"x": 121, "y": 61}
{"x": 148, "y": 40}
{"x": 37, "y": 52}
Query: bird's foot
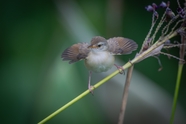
{"x": 120, "y": 68}
{"x": 91, "y": 89}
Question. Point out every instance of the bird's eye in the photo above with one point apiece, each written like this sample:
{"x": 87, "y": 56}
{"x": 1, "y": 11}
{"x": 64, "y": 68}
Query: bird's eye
{"x": 99, "y": 45}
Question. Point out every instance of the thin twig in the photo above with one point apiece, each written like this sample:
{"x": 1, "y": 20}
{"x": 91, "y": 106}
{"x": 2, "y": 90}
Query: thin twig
{"x": 125, "y": 95}
{"x": 158, "y": 27}
{"x": 169, "y": 55}
{"x": 149, "y": 33}
{"x": 166, "y": 28}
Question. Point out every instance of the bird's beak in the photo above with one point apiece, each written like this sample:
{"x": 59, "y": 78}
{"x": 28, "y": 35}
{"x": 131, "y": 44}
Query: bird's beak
{"x": 92, "y": 46}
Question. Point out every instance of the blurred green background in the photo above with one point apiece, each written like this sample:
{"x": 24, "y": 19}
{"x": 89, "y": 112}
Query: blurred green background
{"x": 35, "y": 81}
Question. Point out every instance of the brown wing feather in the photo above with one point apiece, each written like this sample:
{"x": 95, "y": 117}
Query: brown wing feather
{"x": 76, "y": 52}
{"x": 120, "y": 45}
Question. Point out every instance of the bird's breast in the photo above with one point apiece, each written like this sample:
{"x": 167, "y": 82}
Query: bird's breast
{"x": 100, "y": 62}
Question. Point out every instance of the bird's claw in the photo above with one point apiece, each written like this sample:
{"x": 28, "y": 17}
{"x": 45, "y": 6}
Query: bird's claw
{"x": 91, "y": 89}
{"x": 121, "y": 69}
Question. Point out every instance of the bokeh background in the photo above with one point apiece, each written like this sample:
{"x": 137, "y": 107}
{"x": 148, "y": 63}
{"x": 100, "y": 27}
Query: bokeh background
{"x": 35, "y": 81}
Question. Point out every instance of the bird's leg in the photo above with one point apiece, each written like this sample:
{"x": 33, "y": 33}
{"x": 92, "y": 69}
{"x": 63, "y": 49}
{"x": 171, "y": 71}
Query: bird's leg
{"x": 90, "y": 87}
{"x": 120, "y": 68}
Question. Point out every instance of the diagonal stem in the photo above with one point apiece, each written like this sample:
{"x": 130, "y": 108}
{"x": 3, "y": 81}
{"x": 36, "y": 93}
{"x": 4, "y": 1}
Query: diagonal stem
{"x": 83, "y": 94}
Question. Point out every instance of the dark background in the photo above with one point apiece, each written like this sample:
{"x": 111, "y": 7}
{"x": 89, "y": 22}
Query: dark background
{"x": 35, "y": 81}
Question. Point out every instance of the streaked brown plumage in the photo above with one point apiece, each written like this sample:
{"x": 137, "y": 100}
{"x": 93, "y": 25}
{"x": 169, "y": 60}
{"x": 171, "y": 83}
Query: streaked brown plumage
{"x": 98, "y": 55}
{"x": 116, "y": 46}
{"x": 76, "y": 52}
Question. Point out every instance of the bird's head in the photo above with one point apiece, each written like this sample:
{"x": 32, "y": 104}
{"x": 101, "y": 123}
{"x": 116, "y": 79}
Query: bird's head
{"x": 98, "y": 44}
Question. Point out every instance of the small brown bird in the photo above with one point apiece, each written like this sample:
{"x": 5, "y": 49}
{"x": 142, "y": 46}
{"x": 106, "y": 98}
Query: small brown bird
{"x": 99, "y": 55}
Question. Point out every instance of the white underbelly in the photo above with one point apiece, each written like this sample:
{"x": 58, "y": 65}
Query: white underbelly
{"x": 99, "y": 62}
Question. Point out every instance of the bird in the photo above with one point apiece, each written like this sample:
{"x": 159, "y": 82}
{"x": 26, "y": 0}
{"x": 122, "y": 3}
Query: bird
{"x": 98, "y": 55}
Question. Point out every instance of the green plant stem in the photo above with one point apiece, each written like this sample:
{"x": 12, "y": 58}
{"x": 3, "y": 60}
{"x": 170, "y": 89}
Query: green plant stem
{"x": 82, "y": 95}
{"x": 64, "y": 107}
{"x": 180, "y": 68}
{"x": 127, "y": 65}
{"x": 125, "y": 95}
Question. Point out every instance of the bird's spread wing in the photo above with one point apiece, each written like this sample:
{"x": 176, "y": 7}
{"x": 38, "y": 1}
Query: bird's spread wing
{"x": 76, "y": 52}
{"x": 120, "y": 45}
